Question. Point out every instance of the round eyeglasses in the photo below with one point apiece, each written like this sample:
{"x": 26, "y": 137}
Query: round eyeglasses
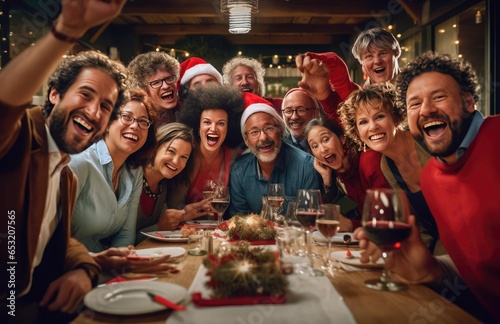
{"x": 127, "y": 119}
{"x": 268, "y": 130}
{"x": 299, "y": 111}
{"x": 158, "y": 83}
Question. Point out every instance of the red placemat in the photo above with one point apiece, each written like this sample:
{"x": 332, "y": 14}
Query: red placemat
{"x": 198, "y": 300}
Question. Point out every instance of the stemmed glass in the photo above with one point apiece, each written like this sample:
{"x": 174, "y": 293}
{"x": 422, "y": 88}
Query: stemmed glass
{"x": 328, "y": 223}
{"x": 208, "y": 188}
{"x": 220, "y": 201}
{"x": 307, "y": 207}
{"x": 275, "y": 199}
{"x": 385, "y": 222}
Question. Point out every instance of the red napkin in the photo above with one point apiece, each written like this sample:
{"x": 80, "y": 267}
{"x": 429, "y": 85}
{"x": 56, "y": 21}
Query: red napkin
{"x": 121, "y": 278}
{"x": 198, "y": 300}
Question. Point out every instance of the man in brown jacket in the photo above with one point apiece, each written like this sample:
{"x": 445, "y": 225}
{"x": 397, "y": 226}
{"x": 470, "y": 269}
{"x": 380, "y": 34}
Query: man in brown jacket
{"x": 45, "y": 267}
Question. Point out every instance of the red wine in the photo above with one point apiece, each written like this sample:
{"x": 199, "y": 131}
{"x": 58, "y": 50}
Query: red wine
{"x": 219, "y": 205}
{"x": 306, "y": 219}
{"x": 275, "y": 202}
{"x": 327, "y": 227}
{"x": 385, "y": 236}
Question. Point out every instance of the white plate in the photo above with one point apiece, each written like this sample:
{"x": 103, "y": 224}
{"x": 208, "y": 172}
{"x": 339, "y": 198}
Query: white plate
{"x": 159, "y": 252}
{"x": 170, "y": 236}
{"x": 342, "y": 257}
{"x": 337, "y": 238}
{"x": 131, "y": 298}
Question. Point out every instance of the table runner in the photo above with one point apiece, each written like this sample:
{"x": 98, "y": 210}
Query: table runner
{"x": 308, "y": 300}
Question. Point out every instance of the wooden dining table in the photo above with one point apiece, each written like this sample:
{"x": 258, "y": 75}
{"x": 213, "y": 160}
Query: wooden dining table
{"x": 417, "y": 304}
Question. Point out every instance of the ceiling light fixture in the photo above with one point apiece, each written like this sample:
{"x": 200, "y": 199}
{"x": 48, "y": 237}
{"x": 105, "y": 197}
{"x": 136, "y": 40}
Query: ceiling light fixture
{"x": 240, "y": 14}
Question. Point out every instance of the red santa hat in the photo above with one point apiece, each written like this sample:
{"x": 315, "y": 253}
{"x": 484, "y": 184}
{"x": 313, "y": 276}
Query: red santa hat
{"x": 255, "y": 104}
{"x": 194, "y": 66}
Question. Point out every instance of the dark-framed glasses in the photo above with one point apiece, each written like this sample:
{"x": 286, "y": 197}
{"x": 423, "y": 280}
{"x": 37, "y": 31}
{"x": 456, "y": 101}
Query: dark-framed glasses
{"x": 158, "y": 83}
{"x": 128, "y": 119}
{"x": 299, "y": 111}
{"x": 268, "y": 130}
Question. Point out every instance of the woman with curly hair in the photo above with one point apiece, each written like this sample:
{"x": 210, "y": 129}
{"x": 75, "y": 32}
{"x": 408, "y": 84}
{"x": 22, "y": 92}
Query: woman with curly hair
{"x": 213, "y": 112}
{"x": 372, "y": 119}
{"x": 337, "y": 160}
{"x": 165, "y": 172}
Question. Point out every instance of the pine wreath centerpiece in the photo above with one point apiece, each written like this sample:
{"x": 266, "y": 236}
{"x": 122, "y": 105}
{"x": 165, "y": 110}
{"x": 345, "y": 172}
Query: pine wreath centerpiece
{"x": 243, "y": 272}
{"x": 250, "y": 228}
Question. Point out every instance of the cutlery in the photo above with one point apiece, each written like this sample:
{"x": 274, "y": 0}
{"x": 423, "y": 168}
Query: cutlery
{"x": 160, "y": 234}
{"x": 164, "y": 301}
{"x": 117, "y": 280}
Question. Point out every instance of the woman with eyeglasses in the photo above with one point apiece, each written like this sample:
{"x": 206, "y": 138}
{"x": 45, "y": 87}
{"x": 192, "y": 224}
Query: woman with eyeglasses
{"x": 166, "y": 170}
{"x": 213, "y": 112}
{"x": 110, "y": 177}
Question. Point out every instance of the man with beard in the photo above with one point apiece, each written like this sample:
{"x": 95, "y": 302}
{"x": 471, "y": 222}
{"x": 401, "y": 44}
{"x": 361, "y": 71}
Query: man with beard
{"x": 51, "y": 272}
{"x": 460, "y": 184}
{"x": 270, "y": 161}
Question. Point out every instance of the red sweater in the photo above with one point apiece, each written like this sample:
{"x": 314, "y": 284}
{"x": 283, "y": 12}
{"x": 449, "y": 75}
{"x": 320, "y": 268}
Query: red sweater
{"x": 465, "y": 200}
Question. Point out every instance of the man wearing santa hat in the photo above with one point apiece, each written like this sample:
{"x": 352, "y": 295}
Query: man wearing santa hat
{"x": 270, "y": 161}
{"x": 195, "y": 72}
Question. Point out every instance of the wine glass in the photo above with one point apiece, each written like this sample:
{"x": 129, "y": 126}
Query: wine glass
{"x": 220, "y": 201}
{"x": 208, "y": 188}
{"x": 275, "y": 199}
{"x": 328, "y": 223}
{"x": 385, "y": 222}
{"x": 307, "y": 207}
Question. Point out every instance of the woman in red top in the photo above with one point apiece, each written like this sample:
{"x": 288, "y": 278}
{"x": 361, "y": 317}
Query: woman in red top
{"x": 346, "y": 172}
{"x": 213, "y": 112}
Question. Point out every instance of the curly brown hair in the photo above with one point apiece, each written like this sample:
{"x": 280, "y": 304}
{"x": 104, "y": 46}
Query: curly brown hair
{"x": 461, "y": 71}
{"x": 379, "y": 96}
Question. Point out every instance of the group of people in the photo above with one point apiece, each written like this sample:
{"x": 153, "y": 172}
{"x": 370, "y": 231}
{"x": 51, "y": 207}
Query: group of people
{"x": 118, "y": 150}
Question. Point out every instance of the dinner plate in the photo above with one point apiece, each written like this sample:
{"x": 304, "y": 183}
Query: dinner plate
{"x": 337, "y": 238}
{"x": 170, "y": 236}
{"x": 202, "y": 223}
{"x": 354, "y": 261}
{"x": 131, "y": 298}
{"x": 159, "y": 252}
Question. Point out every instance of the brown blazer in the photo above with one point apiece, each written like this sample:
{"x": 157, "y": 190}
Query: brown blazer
{"x": 23, "y": 184}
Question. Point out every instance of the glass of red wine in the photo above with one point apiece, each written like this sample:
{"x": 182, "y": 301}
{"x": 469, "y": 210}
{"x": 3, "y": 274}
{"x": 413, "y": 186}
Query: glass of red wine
{"x": 328, "y": 223}
{"x": 385, "y": 222}
{"x": 307, "y": 208}
{"x": 220, "y": 201}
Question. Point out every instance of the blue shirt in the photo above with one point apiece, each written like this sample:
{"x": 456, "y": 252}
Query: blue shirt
{"x": 100, "y": 219}
{"x": 294, "y": 168}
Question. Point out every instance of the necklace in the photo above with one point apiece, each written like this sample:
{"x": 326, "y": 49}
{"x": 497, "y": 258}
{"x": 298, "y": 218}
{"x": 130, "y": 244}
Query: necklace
{"x": 148, "y": 191}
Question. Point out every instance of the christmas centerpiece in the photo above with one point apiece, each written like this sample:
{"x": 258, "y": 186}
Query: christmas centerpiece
{"x": 252, "y": 228}
{"x": 243, "y": 275}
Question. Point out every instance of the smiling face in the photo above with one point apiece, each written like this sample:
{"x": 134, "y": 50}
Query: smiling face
{"x": 244, "y": 78}
{"x": 380, "y": 65}
{"x": 436, "y": 113}
{"x": 327, "y": 147}
{"x": 81, "y": 116}
{"x": 164, "y": 97}
{"x": 265, "y": 147}
{"x": 171, "y": 158}
{"x": 126, "y": 139}
{"x": 375, "y": 126}
{"x": 213, "y": 129}
{"x": 296, "y": 124}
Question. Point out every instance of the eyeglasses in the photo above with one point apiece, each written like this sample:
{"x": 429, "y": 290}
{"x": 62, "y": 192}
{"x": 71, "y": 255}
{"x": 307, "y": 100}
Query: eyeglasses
{"x": 127, "y": 119}
{"x": 268, "y": 130}
{"x": 158, "y": 83}
{"x": 300, "y": 111}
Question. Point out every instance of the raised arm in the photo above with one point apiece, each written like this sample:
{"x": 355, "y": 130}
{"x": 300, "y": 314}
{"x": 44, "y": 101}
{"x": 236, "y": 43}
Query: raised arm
{"x": 23, "y": 76}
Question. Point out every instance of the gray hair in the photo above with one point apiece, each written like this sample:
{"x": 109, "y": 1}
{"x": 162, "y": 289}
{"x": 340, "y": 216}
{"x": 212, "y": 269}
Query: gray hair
{"x": 256, "y": 66}
{"x": 375, "y": 37}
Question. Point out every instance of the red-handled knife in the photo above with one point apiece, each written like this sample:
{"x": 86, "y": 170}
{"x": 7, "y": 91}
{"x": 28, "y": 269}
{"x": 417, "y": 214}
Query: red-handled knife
{"x": 166, "y": 302}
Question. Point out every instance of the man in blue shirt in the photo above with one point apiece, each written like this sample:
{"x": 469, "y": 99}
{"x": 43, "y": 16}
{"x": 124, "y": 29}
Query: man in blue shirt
{"x": 270, "y": 161}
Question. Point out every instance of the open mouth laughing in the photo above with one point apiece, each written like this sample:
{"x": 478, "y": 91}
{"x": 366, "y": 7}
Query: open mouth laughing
{"x": 434, "y": 128}
{"x": 131, "y": 137}
{"x": 212, "y": 139}
{"x": 82, "y": 124}
{"x": 376, "y": 137}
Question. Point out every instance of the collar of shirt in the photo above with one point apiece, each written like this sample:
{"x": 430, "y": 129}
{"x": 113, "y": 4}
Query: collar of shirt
{"x": 56, "y": 158}
{"x": 302, "y": 144}
{"x": 103, "y": 152}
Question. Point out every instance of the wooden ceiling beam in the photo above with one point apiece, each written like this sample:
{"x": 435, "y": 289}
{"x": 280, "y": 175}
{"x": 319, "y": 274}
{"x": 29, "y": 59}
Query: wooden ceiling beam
{"x": 412, "y": 9}
{"x": 249, "y": 39}
{"x": 222, "y": 29}
{"x": 367, "y": 9}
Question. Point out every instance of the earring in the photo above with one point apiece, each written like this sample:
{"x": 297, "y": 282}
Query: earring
{"x": 364, "y": 147}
